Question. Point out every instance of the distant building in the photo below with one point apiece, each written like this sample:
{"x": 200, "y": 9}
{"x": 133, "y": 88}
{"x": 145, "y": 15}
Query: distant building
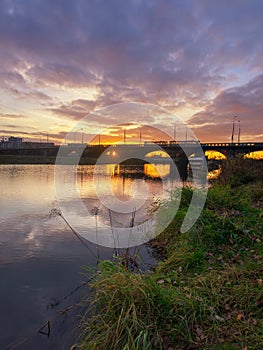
{"x": 11, "y": 142}
{"x": 17, "y": 143}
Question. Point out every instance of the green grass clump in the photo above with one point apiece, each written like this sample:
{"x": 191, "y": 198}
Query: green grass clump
{"x": 205, "y": 293}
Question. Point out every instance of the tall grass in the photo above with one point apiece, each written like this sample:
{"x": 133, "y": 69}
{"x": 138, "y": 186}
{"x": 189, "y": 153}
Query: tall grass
{"x": 207, "y": 290}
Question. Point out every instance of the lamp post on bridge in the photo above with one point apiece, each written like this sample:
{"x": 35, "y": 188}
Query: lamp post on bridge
{"x": 239, "y": 131}
{"x": 82, "y": 135}
{"x": 233, "y": 129}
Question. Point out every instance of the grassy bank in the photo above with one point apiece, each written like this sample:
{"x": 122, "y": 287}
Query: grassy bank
{"x": 206, "y": 291}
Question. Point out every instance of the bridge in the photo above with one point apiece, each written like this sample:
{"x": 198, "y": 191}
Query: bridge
{"x": 177, "y": 149}
{"x": 182, "y": 152}
{"x": 172, "y": 148}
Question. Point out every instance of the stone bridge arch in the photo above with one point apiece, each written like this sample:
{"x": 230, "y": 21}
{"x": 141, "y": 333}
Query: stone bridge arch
{"x": 233, "y": 149}
{"x": 217, "y": 155}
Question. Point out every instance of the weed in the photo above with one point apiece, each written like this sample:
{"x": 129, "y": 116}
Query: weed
{"x": 207, "y": 289}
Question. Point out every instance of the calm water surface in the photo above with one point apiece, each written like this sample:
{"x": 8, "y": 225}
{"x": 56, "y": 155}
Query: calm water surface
{"x": 41, "y": 261}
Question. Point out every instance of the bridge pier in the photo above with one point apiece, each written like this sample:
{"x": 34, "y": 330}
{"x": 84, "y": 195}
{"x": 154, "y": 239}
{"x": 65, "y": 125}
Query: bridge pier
{"x": 182, "y": 169}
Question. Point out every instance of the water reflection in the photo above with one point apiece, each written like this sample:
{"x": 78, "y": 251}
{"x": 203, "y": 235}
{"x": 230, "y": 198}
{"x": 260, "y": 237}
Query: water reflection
{"x": 157, "y": 170}
{"x": 126, "y": 184}
{"x": 40, "y": 259}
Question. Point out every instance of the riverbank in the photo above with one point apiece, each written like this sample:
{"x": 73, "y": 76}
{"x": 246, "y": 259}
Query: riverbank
{"x": 32, "y": 159}
{"x": 206, "y": 291}
{"x": 26, "y": 159}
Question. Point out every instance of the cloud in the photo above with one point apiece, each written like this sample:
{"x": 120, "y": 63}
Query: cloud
{"x": 60, "y": 74}
{"x": 30, "y": 95}
{"x": 75, "y": 110}
{"x": 154, "y": 46}
{"x": 9, "y": 77}
{"x": 245, "y": 102}
{"x": 13, "y": 132}
{"x": 178, "y": 54}
{"x": 12, "y": 116}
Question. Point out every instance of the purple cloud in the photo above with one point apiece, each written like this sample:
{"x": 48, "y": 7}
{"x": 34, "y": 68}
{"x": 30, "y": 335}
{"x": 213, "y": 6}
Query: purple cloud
{"x": 245, "y": 102}
{"x": 174, "y": 53}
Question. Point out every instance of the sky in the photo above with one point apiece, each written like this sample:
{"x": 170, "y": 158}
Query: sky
{"x": 63, "y": 59}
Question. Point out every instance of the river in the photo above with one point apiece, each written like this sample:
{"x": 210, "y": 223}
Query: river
{"x": 42, "y": 263}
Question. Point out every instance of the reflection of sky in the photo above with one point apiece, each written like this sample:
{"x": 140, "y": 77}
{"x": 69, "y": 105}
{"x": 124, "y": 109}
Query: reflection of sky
{"x": 40, "y": 258}
{"x": 21, "y": 193}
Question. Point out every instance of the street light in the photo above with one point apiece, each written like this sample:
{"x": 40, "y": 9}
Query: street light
{"x": 239, "y": 130}
{"x": 174, "y": 132}
{"x": 233, "y": 129}
{"x": 82, "y": 135}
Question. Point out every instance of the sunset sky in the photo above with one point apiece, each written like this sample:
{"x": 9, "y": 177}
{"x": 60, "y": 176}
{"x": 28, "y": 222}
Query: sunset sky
{"x": 62, "y": 59}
